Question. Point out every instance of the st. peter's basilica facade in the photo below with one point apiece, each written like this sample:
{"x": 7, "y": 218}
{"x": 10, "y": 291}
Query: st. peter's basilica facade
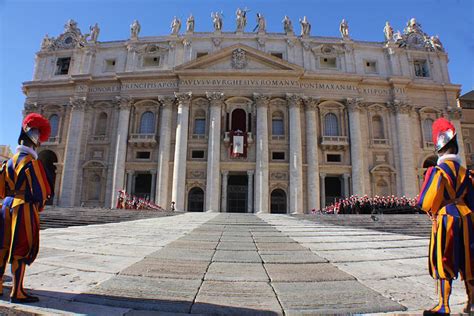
{"x": 239, "y": 121}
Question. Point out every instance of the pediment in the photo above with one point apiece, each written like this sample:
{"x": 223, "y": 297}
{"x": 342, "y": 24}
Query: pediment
{"x": 239, "y": 58}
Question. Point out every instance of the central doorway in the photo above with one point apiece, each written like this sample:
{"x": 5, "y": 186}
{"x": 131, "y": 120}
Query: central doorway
{"x": 237, "y": 186}
{"x": 143, "y": 185}
{"x": 333, "y": 187}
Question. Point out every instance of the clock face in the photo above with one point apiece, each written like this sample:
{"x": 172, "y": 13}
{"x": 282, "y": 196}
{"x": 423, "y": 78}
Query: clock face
{"x": 68, "y": 40}
{"x": 416, "y": 40}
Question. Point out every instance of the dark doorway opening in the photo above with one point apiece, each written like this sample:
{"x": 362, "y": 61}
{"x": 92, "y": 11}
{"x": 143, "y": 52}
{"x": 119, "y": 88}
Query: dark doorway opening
{"x": 196, "y": 200}
{"x": 49, "y": 158}
{"x": 237, "y": 194}
{"x": 333, "y": 187}
{"x": 239, "y": 120}
{"x": 278, "y": 202}
{"x": 143, "y": 185}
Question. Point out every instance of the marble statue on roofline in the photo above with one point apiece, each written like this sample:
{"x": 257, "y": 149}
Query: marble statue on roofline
{"x": 217, "y": 20}
{"x": 388, "y": 32}
{"x": 135, "y": 30}
{"x": 95, "y": 30}
{"x": 287, "y": 25}
{"x": 190, "y": 24}
{"x": 305, "y": 26}
{"x": 413, "y": 27}
{"x": 344, "y": 29}
{"x": 241, "y": 18}
{"x": 175, "y": 26}
{"x": 261, "y": 24}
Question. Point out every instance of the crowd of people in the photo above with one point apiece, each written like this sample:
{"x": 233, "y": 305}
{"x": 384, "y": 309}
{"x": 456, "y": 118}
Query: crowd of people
{"x": 129, "y": 201}
{"x": 367, "y": 205}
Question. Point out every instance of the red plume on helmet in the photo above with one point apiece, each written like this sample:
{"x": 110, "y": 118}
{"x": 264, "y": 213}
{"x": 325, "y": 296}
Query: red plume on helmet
{"x": 39, "y": 122}
{"x": 443, "y": 131}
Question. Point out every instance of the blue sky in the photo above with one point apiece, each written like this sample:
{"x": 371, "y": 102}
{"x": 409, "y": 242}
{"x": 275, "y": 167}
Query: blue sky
{"x": 23, "y": 24}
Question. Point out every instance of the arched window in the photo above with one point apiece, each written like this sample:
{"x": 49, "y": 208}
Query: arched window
{"x": 278, "y": 127}
{"x": 427, "y": 128}
{"x": 377, "y": 127}
{"x": 147, "y": 123}
{"x": 54, "y": 121}
{"x": 196, "y": 200}
{"x": 278, "y": 202}
{"x": 331, "y": 125}
{"x": 101, "y": 124}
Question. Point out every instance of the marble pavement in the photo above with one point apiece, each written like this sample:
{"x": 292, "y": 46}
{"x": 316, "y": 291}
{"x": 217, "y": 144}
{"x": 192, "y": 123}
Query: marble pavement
{"x": 232, "y": 264}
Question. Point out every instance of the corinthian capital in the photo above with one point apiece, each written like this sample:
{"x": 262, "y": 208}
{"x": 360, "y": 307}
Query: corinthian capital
{"x": 124, "y": 102}
{"x": 78, "y": 103}
{"x": 215, "y": 98}
{"x": 311, "y": 103}
{"x": 166, "y": 100}
{"x": 354, "y": 104}
{"x": 184, "y": 98}
{"x": 454, "y": 113}
{"x": 401, "y": 106}
{"x": 261, "y": 99}
{"x": 294, "y": 100}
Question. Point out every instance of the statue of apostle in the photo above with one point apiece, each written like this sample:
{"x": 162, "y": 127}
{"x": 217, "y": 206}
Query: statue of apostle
{"x": 190, "y": 24}
{"x": 135, "y": 30}
{"x": 175, "y": 26}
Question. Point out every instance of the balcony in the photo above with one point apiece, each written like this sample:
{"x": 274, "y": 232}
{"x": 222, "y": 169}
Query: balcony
{"x": 279, "y": 137}
{"x": 198, "y": 136}
{"x": 53, "y": 140}
{"x": 99, "y": 139}
{"x": 380, "y": 142}
{"x": 334, "y": 142}
{"x": 142, "y": 140}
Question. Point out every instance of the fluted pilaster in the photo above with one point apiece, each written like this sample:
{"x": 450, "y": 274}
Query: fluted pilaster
{"x": 261, "y": 169}
{"x": 295, "y": 102}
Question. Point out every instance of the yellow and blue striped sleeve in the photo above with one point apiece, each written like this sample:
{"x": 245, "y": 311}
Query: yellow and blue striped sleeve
{"x": 431, "y": 195}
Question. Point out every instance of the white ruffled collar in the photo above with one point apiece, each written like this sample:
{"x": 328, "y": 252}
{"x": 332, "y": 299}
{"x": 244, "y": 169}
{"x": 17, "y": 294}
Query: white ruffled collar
{"x": 27, "y": 150}
{"x": 453, "y": 157}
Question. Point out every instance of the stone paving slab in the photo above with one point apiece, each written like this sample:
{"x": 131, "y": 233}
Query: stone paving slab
{"x": 180, "y": 253}
{"x": 231, "y": 271}
{"x": 295, "y": 257}
{"x": 236, "y": 298}
{"x": 355, "y": 255}
{"x": 270, "y": 239}
{"x": 343, "y": 297}
{"x": 201, "y": 237}
{"x": 193, "y": 244}
{"x": 278, "y": 246}
{"x": 236, "y": 256}
{"x": 170, "y": 295}
{"x": 236, "y": 246}
{"x": 238, "y": 239}
{"x": 173, "y": 269}
{"x": 368, "y": 245}
{"x": 305, "y": 272}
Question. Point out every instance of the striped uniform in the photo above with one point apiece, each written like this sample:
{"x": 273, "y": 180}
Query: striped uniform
{"x": 447, "y": 196}
{"x": 27, "y": 189}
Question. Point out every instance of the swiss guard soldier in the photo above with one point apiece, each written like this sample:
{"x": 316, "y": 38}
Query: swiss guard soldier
{"x": 447, "y": 196}
{"x": 25, "y": 188}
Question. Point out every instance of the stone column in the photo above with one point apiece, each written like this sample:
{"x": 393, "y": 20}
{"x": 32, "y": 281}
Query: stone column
{"x": 312, "y": 152}
{"x": 261, "y": 163}
{"x": 164, "y": 151}
{"x": 178, "y": 191}
{"x": 250, "y": 191}
{"x": 67, "y": 194}
{"x": 407, "y": 174}
{"x": 216, "y": 100}
{"x": 296, "y": 155}
{"x": 345, "y": 177}
{"x": 153, "y": 185}
{"x": 121, "y": 147}
{"x": 455, "y": 115}
{"x": 130, "y": 180}
{"x": 323, "y": 189}
{"x": 357, "y": 147}
{"x": 225, "y": 174}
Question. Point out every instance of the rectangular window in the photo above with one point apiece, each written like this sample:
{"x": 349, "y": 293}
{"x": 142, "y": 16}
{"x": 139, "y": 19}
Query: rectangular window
{"x": 333, "y": 158}
{"x": 199, "y": 126}
{"x": 143, "y": 155}
{"x": 370, "y": 67}
{"x": 328, "y": 62}
{"x": 197, "y": 154}
{"x": 278, "y": 155}
{"x": 201, "y": 54}
{"x": 421, "y": 68}
{"x": 278, "y": 55}
{"x": 152, "y": 61}
{"x": 62, "y": 66}
{"x": 109, "y": 65}
{"x": 277, "y": 127}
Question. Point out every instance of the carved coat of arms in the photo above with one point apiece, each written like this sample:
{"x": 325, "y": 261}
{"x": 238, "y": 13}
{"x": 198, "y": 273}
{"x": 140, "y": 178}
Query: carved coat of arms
{"x": 239, "y": 59}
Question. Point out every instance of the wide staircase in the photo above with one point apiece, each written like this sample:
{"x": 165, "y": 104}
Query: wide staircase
{"x": 57, "y": 217}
